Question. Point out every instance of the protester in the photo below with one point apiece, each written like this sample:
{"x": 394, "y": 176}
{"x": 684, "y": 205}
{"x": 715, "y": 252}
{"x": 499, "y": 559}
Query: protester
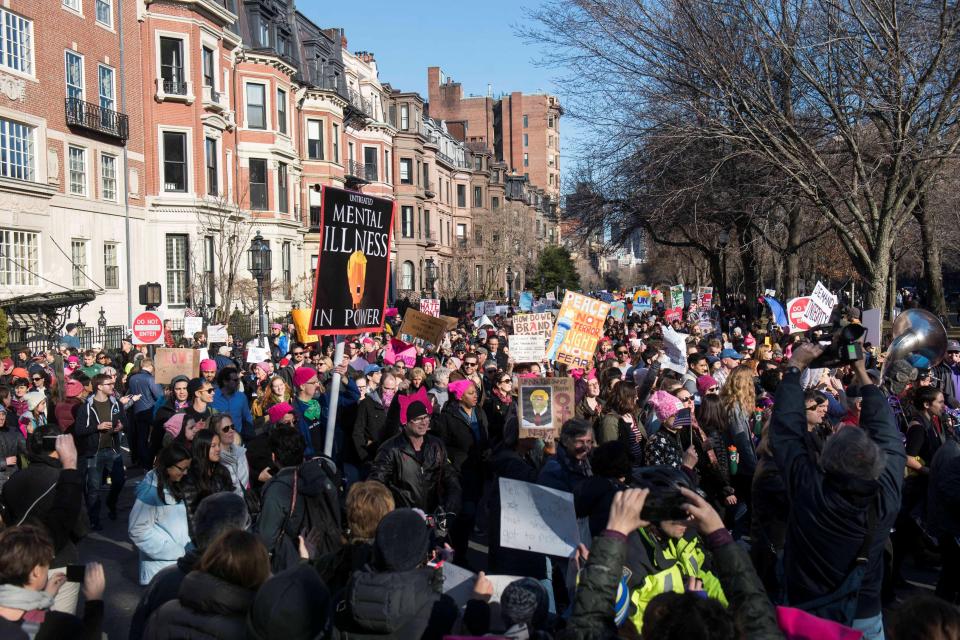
{"x": 207, "y": 476}
{"x": 146, "y": 394}
{"x": 570, "y": 465}
{"x": 228, "y": 399}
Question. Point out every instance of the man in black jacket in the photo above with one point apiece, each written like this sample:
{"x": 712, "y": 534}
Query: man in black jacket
{"x": 97, "y": 429}
{"x": 414, "y": 466}
{"x": 853, "y": 496}
{"x": 49, "y": 494}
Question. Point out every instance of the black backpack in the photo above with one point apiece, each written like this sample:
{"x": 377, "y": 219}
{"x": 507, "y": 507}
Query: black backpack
{"x": 315, "y": 513}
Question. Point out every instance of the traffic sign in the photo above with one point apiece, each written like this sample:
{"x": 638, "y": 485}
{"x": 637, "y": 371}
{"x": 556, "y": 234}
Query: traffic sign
{"x": 796, "y": 309}
{"x": 148, "y": 328}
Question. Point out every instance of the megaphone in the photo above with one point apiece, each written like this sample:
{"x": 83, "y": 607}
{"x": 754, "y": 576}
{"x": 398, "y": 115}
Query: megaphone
{"x": 918, "y": 337}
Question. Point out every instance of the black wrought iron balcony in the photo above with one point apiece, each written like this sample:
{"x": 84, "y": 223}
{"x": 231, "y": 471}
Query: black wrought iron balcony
{"x": 92, "y": 116}
{"x": 314, "y": 219}
{"x": 428, "y": 189}
{"x": 174, "y": 88}
{"x": 356, "y": 174}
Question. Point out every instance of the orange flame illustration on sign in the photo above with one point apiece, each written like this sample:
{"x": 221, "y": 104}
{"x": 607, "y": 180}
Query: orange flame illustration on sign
{"x": 356, "y": 276}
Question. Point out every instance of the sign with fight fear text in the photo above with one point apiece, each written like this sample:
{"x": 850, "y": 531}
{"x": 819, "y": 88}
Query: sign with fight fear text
{"x": 579, "y": 327}
{"x": 353, "y": 266}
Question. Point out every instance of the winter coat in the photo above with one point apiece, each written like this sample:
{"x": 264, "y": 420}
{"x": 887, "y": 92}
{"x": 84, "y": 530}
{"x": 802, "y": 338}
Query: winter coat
{"x": 592, "y": 500}
{"x": 664, "y": 448}
{"x": 406, "y": 605}
{"x": 507, "y": 463}
{"x": 12, "y": 444}
{"x": 235, "y": 405}
{"x": 424, "y": 480}
{"x": 336, "y": 568}
{"x": 206, "y": 607}
{"x": 828, "y": 514}
{"x": 496, "y": 411}
{"x": 468, "y": 453}
{"x": 164, "y": 587}
{"x": 943, "y": 499}
{"x": 740, "y": 434}
{"x": 85, "y": 432}
{"x": 563, "y": 473}
{"x": 143, "y": 383}
{"x": 369, "y": 430}
{"x": 159, "y": 529}
{"x": 192, "y": 495}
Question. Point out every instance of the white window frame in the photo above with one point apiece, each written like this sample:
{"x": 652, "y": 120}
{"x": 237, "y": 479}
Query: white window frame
{"x": 66, "y": 74}
{"x": 206, "y": 165}
{"x": 172, "y": 299}
{"x": 113, "y": 87}
{"x": 319, "y": 124}
{"x": 407, "y": 275}
{"x": 187, "y": 61}
{"x": 267, "y": 105}
{"x": 406, "y": 177}
{"x": 79, "y": 261}
{"x": 283, "y": 124}
{"x": 404, "y": 220}
{"x": 24, "y": 44}
{"x": 73, "y": 185}
{"x": 104, "y": 189}
{"x": 73, "y": 5}
{"x": 191, "y": 180}
{"x": 404, "y": 117}
{"x": 107, "y": 266}
{"x": 19, "y": 258}
{"x": 336, "y": 143}
{"x": 27, "y": 149}
{"x": 96, "y": 12}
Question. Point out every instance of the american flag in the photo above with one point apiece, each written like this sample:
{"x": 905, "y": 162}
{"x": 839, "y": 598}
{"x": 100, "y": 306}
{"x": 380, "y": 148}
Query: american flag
{"x": 190, "y": 313}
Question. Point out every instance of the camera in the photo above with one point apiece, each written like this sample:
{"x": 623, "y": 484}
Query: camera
{"x": 840, "y": 340}
{"x": 665, "y": 502}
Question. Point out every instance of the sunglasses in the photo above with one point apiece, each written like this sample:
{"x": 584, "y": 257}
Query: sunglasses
{"x": 469, "y": 364}
{"x": 206, "y": 390}
{"x": 685, "y": 399}
{"x": 506, "y": 381}
{"x": 622, "y": 353}
{"x": 226, "y": 428}
{"x": 297, "y": 353}
{"x": 37, "y": 379}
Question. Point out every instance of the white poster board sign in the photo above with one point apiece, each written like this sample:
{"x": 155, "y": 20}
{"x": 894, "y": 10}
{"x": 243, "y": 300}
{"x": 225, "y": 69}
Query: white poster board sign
{"x": 675, "y": 350}
{"x": 217, "y": 333}
{"x": 872, "y": 320}
{"x": 192, "y": 325}
{"x": 536, "y": 518}
{"x": 529, "y": 348}
{"x": 820, "y": 307}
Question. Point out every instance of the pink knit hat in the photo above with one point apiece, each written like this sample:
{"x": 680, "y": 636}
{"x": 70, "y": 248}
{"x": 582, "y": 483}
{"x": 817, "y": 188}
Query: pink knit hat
{"x": 174, "y": 424}
{"x": 665, "y": 404}
{"x": 704, "y": 383}
{"x": 303, "y": 374}
{"x": 459, "y": 387}
{"x": 208, "y": 365}
{"x": 277, "y": 411}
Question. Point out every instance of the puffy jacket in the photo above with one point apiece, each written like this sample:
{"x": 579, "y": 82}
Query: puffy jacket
{"x": 369, "y": 429}
{"x": 661, "y": 567}
{"x": 206, "y": 607}
{"x": 142, "y": 383}
{"x": 828, "y": 514}
{"x": 12, "y": 444}
{"x": 164, "y": 587}
{"x": 159, "y": 529}
{"x": 425, "y": 485}
{"x": 407, "y": 604}
{"x": 85, "y": 432}
{"x": 496, "y": 411}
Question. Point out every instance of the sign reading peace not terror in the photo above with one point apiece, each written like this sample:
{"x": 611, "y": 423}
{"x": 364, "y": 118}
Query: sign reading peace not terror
{"x": 353, "y": 267}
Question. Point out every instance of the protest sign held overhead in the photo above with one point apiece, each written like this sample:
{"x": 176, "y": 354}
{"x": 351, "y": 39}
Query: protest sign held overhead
{"x": 543, "y": 405}
{"x": 526, "y": 301}
{"x": 301, "y": 322}
{"x": 643, "y": 298}
{"x": 796, "y": 310}
{"x": 676, "y": 296}
{"x": 578, "y": 329}
{"x": 477, "y": 309}
{"x": 536, "y": 518}
{"x": 430, "y": 306}
{"x": 170, "y": 363}
{"x": 617, "y": 309}
{"x": 192, "y": 325}
{"x": 353, "y": 266}
{"x": 423, "y": 326}
{"x": 820, "y": 307}
{"x": 398, "y": 350}
{"x": 530, "y": 324}
{"x": 705, "y": 298}
{"x": 527, "y": 348}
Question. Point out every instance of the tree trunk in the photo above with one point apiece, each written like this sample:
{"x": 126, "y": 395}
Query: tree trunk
{"x": 748, "y": 261}
{"x": 875, "y": 279}
{"x": 717, "y": 276}
{"x": 932, "y": 258}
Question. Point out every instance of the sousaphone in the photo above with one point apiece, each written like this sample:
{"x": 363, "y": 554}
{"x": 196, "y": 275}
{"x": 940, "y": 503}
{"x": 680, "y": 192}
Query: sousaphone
{"x": 919, "y": 337}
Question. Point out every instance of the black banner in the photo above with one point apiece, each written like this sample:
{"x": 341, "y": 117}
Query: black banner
{"x": 353, "y": 266}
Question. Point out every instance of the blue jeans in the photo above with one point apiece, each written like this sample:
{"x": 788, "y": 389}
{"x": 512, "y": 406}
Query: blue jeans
{"x": 872, "y": 627}
{"x": 105, "y": 462}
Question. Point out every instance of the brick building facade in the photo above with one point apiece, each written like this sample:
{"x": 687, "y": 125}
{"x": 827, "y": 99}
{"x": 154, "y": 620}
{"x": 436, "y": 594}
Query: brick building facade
{"x": 189, "y": 125}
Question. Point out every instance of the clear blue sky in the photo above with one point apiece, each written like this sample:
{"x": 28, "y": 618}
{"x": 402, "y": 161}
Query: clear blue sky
{"x": 474, "y": 43}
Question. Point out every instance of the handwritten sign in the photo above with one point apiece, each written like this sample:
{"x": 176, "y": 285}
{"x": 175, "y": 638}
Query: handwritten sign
{"x": 170, "y": 363}
{"x": 490, "y": 307}
{"x": 527, "y": 348}
{"x": 533, "y": 324}
{"x": 192, "y": 325}
{"x": 430, "y": 306}
{"x": 536, "y": 518}
{"x": 579, "y": 327}
{"x": 420, "y": 325}
{"x": 550, "y": 295}
{"x": 543, "y": 405}
{"x": 675, "y": 350}
{"x": 258, "y": 354}
{"x": 398, "y": 350}
{"x": 477, "y": 309}
{"x": 217, "y": 333}
{"x": 820, "y": 307}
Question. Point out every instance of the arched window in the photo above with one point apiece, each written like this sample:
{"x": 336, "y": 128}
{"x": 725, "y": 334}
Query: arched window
{"x": 406, "y": 276}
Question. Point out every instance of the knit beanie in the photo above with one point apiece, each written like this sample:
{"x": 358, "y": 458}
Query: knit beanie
{"x": 704, "y": 383}
{"x": 73, "y": 388}
{"x": 34, "y": 398}
{"x": 402, "y": 541}
{"x": 524, "y": 601}
{"x": 208, "y": 365}
{"x": 292, "y": 605}
{"x": 666, "y": 405}
{"x": 277, "y": 411}
{"x": 303, "y": 374}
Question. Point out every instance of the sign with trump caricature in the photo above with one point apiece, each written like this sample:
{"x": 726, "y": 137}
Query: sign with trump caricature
{"x": 353, "y": 267}
{"x": 544, "y": 405}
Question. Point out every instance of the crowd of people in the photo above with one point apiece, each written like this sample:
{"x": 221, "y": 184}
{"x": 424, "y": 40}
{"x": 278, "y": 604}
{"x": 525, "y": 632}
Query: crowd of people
{"x": 749, "y": 493}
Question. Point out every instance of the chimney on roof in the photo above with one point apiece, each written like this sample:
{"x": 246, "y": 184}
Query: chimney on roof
{"x": 343, "y": 41}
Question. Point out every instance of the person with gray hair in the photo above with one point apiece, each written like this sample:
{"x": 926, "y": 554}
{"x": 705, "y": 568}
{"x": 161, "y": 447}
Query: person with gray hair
{"x": 216, "y": 514}
{"x": 570, "y": 466}
{"x": 438, "y": 391}
{"x": 841, "y": 510}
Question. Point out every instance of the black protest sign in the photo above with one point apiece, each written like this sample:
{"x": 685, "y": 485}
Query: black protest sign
{"x": 353, "y": 267}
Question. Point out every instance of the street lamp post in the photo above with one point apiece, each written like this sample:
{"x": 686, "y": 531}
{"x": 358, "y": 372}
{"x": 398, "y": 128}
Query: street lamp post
{"x": 259, "y": 262}
{"x": 509, "y": 286}
{"x": 431, "y": 268}
{"x": 102, "y": 320}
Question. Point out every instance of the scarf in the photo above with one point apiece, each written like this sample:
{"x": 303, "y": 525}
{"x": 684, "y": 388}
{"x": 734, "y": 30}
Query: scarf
{"x": 312, "y": 411}
{"x": 505, "y": 398}
{"x": 14, "y": 597}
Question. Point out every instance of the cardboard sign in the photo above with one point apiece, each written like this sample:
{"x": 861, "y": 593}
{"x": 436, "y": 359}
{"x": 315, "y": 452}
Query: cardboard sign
{"x": 430, "y": 306}
{"x": 527, "y": 348}
{"x": 543, "y": 405}
{"x": 533, "y": 324}
{"x": 643, "y": 298}
{"x": 617, "y": 309}
{"x": 451, "y": 322}
{"x": 820, "y": 307}
{"x": 536, "y": 518}
{"x": 705, "y": 298}
{"x": 301, "y": 322}
{"x": 170, "y": 363}
{"x": 526, "y": 301}
{"x": 578, "y": 328}
{"x": 423, "y": 326}
{"x": 353, "y": 267}
{"x": 217, "y": 334}
{"x": 796, "y": 310}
